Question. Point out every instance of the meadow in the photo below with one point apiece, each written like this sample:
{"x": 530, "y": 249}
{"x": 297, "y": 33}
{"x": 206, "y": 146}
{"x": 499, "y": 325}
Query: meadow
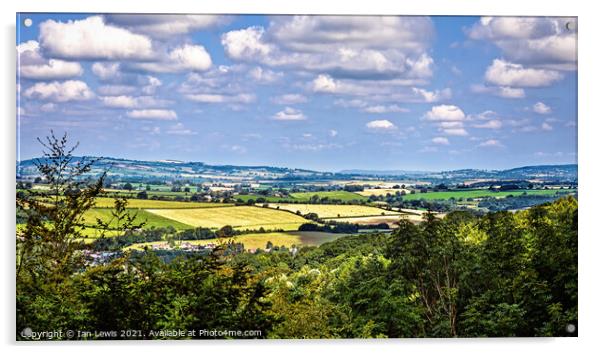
{"x": 333, "y": 211}
{"x": 240, "y": 217}
{"x": 157, "y": 204}
{"x": 151, "y": 220}
{"x": 260, "y": 240}
{"x": 479, "y": 193}
{"x": 339, "y": 195}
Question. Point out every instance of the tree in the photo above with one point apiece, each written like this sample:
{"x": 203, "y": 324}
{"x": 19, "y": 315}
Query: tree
{"x": 128, "y": 186}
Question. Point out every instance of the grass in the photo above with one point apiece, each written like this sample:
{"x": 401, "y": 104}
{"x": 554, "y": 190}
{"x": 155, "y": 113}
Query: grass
{"x": 253, "y": 241}
{"x": 477, "y": 193}
{"x": 151, "y": 219}
{"x": 333, "y": 211}
{"x": 241, "y": 217}
{"x": 156, "y": 204}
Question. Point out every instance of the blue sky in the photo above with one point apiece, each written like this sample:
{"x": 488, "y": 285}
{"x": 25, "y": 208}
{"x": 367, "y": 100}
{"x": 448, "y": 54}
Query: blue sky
{"x": 325, "y": 93}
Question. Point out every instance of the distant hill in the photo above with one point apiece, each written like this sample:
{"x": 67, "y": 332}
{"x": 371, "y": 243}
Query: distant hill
{"x": 172, "y": 169}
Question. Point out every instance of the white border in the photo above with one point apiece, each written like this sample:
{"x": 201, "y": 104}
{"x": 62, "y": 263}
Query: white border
{"x": 589, "y": 170}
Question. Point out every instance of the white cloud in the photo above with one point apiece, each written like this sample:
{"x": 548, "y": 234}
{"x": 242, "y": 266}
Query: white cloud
{"x": 541, "y": 108}
{"x": 385, "y": 109}
{"x": 264, "y": 76}
{"x": 541, "y": 41}
{"x": 547, "y": 127}
{"x": 492, "y": 124}
{"x": 433, "y": 96}
{"x": 91, "y": 38}
{"x": 332, "y": 133}
{"x": 289, "y": 113}
{"x": 500, "y": 91}
{"x": 504, "y": 73}
{"x": 491, "y": 143}
{"x": 352, "y": 46}
{"x": 455, "y": 132}
{"x": 156, "y": 114}
{"x": 290, "y": 98}
{"x": 105, "y": 71}
{"x": 116, "y": 90}
{"x": 32, "y": 65}
{"x": 187, "y": 57}
{"x": 445, "y": 113}
{"x": 324, "y": 83}
{"x": 131, "y": 102}
{"x": 440, "y": 140}
{"x": 218, "y": 98}
{"x": 71, "y": 90}
{"x": 179, "y": 129}
{"x": 163, "y": 26}
{"x": 380, "y": 125}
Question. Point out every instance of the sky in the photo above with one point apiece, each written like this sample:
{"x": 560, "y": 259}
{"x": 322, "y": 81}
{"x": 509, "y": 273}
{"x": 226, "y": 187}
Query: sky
{"x": 320, "y": 92}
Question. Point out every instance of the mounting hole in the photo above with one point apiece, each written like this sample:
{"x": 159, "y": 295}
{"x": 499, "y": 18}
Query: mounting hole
{"x": 28, "y": 22}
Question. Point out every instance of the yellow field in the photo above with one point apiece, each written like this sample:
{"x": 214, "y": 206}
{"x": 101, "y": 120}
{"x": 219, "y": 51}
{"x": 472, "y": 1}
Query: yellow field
{"x": 241, "y": 217}
{"x": 253, "y": 241}
{"x": 333, "y": 211}
{"x": 156, "y": 204}
{"x": 381, "y": 191}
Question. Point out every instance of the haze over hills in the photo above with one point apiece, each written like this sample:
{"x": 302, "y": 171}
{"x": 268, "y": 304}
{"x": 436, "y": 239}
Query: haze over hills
{"x": 172, "y": 169}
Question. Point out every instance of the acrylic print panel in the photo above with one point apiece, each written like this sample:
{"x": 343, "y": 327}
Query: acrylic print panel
{"x": 238, "y": 176}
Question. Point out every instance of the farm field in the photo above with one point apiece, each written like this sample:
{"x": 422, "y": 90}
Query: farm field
{"x": 381, "y": 191}
{"x": 483, "y": 193}
{"x": 157, "y": 204}
{"x": 333, "y": 211}
{"x": 341, "y": 195}
{"x": 152, "y": 220}
{"x": 241, "y": 217}
{"x": 253, "y": 241}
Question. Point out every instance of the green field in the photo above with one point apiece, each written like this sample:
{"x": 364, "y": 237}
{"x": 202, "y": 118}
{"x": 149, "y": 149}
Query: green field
{"x": 152, "y": 220}
{"x": 252, "y": 241}
{"x": 477, "y": 193}
{"x": 157, "y": 204}
{"x": 340, "y": 195}
{"x": 333, "y": 211}
{"x": 241, "y": 217}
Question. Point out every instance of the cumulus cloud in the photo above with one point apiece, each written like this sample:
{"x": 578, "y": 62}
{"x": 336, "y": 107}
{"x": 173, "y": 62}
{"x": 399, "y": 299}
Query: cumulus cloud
{"x": 56, "y": 91}
{"x": 504, "y": 73}
{"x": 385, "y": 109}
{"x": 346, "y": 46}
{"x": 163, "y": 25}
{"x": 500, "y": 91}
{"x": 541, "y": 41}
{"x": 289, "y": 113}
{"x": 289, "y": 98}
{"x": 383, "y": 125}
{"x": 491, "y": 143}
{"x": 153, "y": 114}
{"x": 492, "y": 124}
{"x": 217, "y": 98}
{"x": 92, "y": 38}
{"x": 131, "y": 102}
{"x": 187, "y": 57}
{"x": 547, "y": 127}
{"x": 324, "y": 83}
{"x": 541, "y": 108}
{"x": 32, "y": 65}
{"x": 445, "y": 113}
{"x": 105, "y": 71}
{"x": 440, "y": 140}
{"x": 264, "y": 76}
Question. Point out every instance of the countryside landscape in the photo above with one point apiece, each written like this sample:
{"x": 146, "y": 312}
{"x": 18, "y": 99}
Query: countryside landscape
{"x": 295, "y": 177}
